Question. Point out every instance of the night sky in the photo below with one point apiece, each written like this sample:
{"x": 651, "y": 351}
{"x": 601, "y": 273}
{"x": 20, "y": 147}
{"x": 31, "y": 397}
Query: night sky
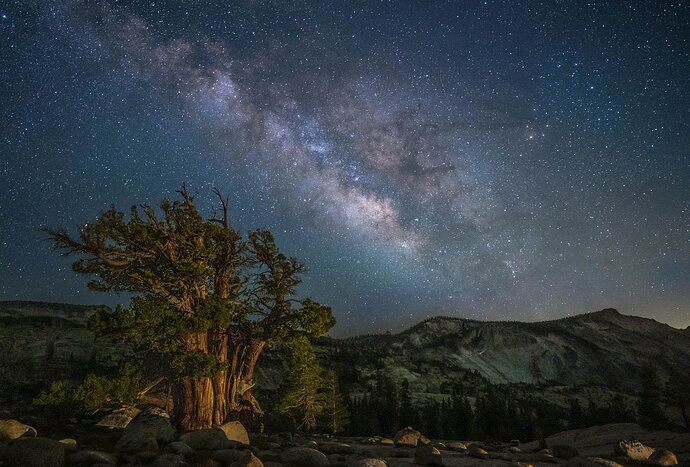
{"x": 490, "y": 160}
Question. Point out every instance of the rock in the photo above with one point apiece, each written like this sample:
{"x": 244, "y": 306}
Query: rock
{"x": 408, "y": 436}
{"x": 119, "y": 418}
{"x": 155, "y": 421}
{"x": 371, "y": 441}
{"x": 662, "y": 457}
{"x": 563, "y": 451}
{"x": 427, "y": 455}
{"x": 438, "y": 445}
{"x": 178, "y": 447}
{"x": 514, "y": 450}
{"x": 209, "y": 439}
{"x": 368, "y": 462}
{"x": 71, "y": 443}
{"x": 135, "y": 441}
{"x": 169, "y": 459}
{"x": 229, "y": 456}
{"x": 303, "y": 457}
{"x": 272, "y": 464}
{"x": 386, "y": 441}
{"x": 12, "y": 429}
{"x": 265, "y": 445}
{"x": 336, "y": 448}
{"x": 235, "y": 431}
{"x": 90, "y": 457}
{"x": 590, "y": 462}
{"x": 479, "y": 453}
{"x": 633, "y": 450}
{"x": 311, "y": 444}
{"x": 249, "y": 461}
{"x": 456, "y": 446}
{"x": 514, "y": 443}
{"x": 35, "y": 452}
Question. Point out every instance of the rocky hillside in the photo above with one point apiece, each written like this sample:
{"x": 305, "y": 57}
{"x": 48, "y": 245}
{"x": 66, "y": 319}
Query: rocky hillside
{"x": 603, "y": 348}
{"x": 43, "y": 341}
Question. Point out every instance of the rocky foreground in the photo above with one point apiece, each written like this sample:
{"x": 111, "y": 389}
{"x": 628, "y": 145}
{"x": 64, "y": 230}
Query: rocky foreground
{"x": 149, "y": 439}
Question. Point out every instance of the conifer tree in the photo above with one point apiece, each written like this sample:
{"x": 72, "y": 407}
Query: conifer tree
{"x": 335, "y": 413}
{"x": 207, "y": 301}
{"x": 302, "y": 400}
{"x": 649, "y": 409}
{"x": 677, "y": 394}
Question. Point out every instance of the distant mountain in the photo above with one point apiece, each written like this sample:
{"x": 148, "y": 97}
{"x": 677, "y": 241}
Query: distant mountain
{"x": 44, "y": 341}
{"x": 604, "y": 348}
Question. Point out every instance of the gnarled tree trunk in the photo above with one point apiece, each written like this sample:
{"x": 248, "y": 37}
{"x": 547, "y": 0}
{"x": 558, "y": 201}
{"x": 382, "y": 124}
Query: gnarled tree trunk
{"x": 203, "y": 402}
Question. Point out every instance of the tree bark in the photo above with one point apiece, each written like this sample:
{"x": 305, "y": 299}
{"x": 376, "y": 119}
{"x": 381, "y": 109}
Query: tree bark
{"x": 203, "y": 402}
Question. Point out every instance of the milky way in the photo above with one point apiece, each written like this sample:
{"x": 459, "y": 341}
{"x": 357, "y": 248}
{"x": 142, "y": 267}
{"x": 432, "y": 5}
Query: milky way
{"x": 492, "y": 160}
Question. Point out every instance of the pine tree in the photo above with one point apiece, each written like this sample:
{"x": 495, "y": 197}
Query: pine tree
{"x": 649, "y": 410}
{"x": 677, "y": 394}
{"x": 301, "y": 400}
{"x": 207, "y": 301}
{"x": 335, "y": 413}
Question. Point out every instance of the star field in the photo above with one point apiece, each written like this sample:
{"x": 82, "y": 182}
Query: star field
{"x": 492, "y": 160}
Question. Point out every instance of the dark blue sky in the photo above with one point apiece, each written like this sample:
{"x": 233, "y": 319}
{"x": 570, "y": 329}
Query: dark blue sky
{"x": 492, "y": 160}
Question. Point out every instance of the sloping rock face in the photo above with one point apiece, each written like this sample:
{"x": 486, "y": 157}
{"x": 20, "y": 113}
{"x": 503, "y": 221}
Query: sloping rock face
{"x": 602, "y": 440}
{"x": 604, "y": 348}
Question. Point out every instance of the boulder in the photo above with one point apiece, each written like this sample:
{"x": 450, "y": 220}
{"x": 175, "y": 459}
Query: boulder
{"x": 119, "y": 418}
{"x": 229, "y": 456}
{"x": 90, "y": 457}
{"x": 209, "y": 439}
{"x": 662, "y": 457}
{"x": 178, "y": 447}
{"x": 427, "y": 455}
{"x": 563, "y": 451}
{"x": 155, "y": 421}
{"x": 407, "y": 436}
{"x": 136, "y": 441}
{"x": 479, "y": 453}
{"x": 311, "y": 444}
{"x": 71, "y": 443}
{"x": 35, "y": 452}
{"x": 235, "y": 431}
{"x": 336, "y": 448}
{"x": 303, "y": 457}
{"x": 12, "y": 429}
{"x": 368, "y": 462}
{"x": 249, "y": 461}
{"x": 633, "y": 450}
{"x": 169, "y": 459}
{"x": 456, "y": 446}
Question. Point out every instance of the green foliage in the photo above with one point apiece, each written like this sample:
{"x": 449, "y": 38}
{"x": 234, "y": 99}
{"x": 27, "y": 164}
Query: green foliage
{"x": 335, "y": 415}
{"x": 94, "y": 393}
{"x": 301, "y": 400}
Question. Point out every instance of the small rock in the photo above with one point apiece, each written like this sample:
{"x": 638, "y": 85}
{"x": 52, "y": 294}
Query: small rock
{"x": 456, "y": 446}
{"x": 633, "y": 450}
{"x": 35, "y": 452}
{"x": 408, "y": 436}
{"x": 514, "y": 450}
{"x": 336, "y": 448}
{"x": 564, "y": 451}
{"x": 428, "y": 455}
{"x": 311, "y": 444}
{"x": 178, "y": 447}
{"x": 229, "y": 456}
{"x": 438, "y": 445}
{"x": 119, "y": 418}
{"x": 479, "y": 453}
{"x": 514, "y": 443}
{"x": 249, "y": 461}
{"x": 662, "y": 457}
{"x": 90, "y": 457}
{"x": 386, "y": 442}
{"x": 590, "y": 462}
{"x": 210, "y": 439}
{"x": 368, "y": 462}
{"x": 169, "y": 459}
{"x": 71, "y": 443}
{"x": 303, "y": 457}
{"x": 235, "y": 431}
{"x": 12, "y": 429}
